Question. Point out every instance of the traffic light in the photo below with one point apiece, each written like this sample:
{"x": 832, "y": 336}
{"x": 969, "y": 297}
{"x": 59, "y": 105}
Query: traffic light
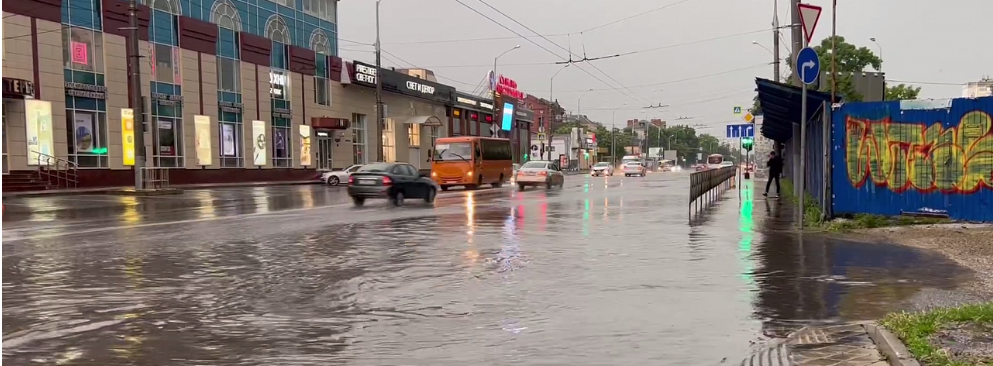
{"x": 525, "y": 156}
{"x": 747, "y": 143}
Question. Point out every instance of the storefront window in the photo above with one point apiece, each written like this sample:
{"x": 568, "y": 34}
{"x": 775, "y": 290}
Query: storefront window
{"x": 484, "y": 129}
{"x": 322, "y": 85}
{"x": 414, "y": 135}
{"x": 359, "y": 138}
{"x": 231, "y": 132}
{"x": 473, "y": 131}
{"x": 168, "y": 116}
{"x": 456, "y": 126}
{"x": 166, "y": 64}
{"x": 434, "y": 132}
{"x": 82, "y": 49}
{"x": 389, "y": 141}
{"x": 282, "y": 147}
{"x": 6, "y": 166}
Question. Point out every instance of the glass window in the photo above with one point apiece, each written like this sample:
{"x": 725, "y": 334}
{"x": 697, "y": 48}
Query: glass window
{"x": 279, "y": 84}
{"x": 169, "y": 144}
{"x": 82, "y": 49}
{"x": 231, "y": 137}
{"x": 456, "y": 126}
{"x": 358, "y": 138}
{"x": 322, "y": 91}
{"x": 281, "y": 144}
{"x": 166, "y": 64}
{"x": 87, "y": 137}
{"x": 6, "y": 166}
{"x": 456, "y": 151}
{"x": 229, "y": 74}
{"x": 472, "y": 128}
{"x": 414, "y": 135}
{"x": 286, "y": 3}
{"x": 389, "y": 141}
{"x": 434, "y": 132}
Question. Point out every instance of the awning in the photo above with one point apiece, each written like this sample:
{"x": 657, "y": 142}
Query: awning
{"x": 423, "y": 120}
{"x": 781, "y": 107}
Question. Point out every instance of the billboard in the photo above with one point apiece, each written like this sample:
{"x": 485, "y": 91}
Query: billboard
{"x": 304, "y": 145}
{"x": 38, "y": 115}
{"x": 201, "y": 131}
{"x": 127, "y": 135}
{"x": 507, "y": 120}
{"x": 258, "y": 143}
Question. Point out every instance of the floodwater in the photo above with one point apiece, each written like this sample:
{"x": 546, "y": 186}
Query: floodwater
{"x": 607, "y": 271}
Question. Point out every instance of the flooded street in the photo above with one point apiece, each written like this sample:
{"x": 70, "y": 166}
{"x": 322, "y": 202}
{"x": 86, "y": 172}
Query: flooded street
{"x": 606, "y": 271}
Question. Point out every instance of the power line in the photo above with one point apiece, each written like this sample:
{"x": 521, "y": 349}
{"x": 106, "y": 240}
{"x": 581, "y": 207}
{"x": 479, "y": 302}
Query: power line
{"x": 669, "y": 81}
{"x": 636, "y": 15}
{"x": 925, "y": 82}
{"x": 415, "y": 66}
{"x": 680, "y": 104}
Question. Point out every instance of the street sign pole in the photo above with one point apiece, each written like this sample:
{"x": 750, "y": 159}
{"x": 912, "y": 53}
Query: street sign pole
{"x": 808, "y": 64}
{"x": 803, "y": 152}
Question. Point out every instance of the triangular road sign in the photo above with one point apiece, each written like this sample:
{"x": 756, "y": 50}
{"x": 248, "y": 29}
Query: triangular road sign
{"x": 809, "y": 14}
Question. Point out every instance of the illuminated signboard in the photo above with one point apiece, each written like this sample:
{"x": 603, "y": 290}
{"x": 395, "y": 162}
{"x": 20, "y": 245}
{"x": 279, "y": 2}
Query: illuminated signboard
{"x": 507, "y": 86}
{"x": 508, "y": 117}
{"x": 365, "y": 74}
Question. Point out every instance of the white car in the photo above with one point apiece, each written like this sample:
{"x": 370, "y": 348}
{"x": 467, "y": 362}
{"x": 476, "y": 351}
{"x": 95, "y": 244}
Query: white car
{"x": 634, "y": 169}
{"x": 604, "y": 169}
{"x": 337, "y": 177}
{"x": 540, "y": 173}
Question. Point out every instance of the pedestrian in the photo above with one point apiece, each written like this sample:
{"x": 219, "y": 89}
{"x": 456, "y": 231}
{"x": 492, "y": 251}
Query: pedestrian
{"x": 775, "y": 165}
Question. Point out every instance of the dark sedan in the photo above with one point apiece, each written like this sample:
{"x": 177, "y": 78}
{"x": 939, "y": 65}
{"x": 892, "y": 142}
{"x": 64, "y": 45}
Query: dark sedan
{"x": 393, "y": 181}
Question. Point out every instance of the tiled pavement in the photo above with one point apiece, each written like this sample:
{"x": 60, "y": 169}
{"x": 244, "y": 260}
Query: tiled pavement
{"x": 828, "y": 345}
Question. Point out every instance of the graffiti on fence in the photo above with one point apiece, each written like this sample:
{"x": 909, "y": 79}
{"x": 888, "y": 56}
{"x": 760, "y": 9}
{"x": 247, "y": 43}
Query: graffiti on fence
{"x": 924, "y": 157}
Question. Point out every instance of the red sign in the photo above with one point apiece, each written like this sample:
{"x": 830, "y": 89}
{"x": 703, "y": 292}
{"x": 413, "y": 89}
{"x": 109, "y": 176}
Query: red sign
{"x": 79, "y": 53}
{"x": 507, "y": 86}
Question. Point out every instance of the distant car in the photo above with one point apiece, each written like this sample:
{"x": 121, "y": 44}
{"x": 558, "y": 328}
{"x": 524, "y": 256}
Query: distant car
{"x": 666, "y": 168}
{"x": 602, "y": 168}
{"x": 540, "y": 172}
{"x": 726, "y": 164}
{"x": 336, "y": 177}
{"x": 394, "y": 181}
{"x": 634, "y": 169}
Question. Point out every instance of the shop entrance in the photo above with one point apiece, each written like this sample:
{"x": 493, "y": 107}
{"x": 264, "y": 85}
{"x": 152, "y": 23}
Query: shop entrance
{"x": 325, "y": 150}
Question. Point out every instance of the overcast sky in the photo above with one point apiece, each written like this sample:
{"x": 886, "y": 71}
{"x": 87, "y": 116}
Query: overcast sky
{"x": 696, "y": 56}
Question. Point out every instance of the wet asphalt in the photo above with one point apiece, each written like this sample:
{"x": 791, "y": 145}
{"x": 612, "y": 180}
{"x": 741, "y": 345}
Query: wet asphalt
{"x": 605, "y": 271}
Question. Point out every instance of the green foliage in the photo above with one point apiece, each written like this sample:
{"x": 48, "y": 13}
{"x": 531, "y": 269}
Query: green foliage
{"x": 916, "y": 330}
{"x": 902, "y": 92}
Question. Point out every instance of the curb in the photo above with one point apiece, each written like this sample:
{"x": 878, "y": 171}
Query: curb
{"x": 117, "y": 190}
{"x": 890, "y": 346}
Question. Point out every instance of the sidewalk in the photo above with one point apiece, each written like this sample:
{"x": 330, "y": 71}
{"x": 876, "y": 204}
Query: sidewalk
{"x": 111, "y": 190}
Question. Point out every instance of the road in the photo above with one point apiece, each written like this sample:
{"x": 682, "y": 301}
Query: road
{"x": 606, "y": 271}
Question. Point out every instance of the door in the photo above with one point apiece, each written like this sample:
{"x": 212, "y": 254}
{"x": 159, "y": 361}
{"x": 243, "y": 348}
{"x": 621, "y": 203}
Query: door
{"x": 325, "y": 152}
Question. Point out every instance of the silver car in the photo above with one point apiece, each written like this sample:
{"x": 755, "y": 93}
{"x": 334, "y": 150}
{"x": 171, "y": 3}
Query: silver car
{"x": 540, "y": 173}
{"x": 602, "y": 168}
{"x": 634, "y": 169}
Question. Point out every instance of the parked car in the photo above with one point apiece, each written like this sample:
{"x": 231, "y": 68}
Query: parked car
{"x": 336, "y": 177}
{"x": 602, "y": 168}
{"x": 634, "y": 169}
{"x": 540, "y": 172}
{"x": 393, "y": 181}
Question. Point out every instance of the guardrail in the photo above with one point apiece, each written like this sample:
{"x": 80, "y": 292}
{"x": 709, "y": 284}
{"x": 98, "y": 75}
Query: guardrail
{"x": 62, "y": 171}
{"x": 154, "y": 178}
{"x": 710, "y": 183}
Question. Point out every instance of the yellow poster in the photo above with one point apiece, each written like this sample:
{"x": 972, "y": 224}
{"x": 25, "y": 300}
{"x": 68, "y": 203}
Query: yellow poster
{"x": 304, "y": 145}
{"x": 127, "y": 135}
{"x": 38, "y": 116}
{"x": 201, "y": 130}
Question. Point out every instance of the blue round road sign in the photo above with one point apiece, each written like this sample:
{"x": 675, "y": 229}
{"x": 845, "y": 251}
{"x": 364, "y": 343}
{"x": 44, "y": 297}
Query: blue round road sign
{"x": 808, "y": 64}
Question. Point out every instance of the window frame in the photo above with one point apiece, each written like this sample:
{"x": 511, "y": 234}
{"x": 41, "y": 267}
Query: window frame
{"x": 389, "y": 141}
{"x": 236, "y": 79}
{"x": 100, "y": 135}
{"x": 326, "y": 101}
{"x": 95, "y": 50}
{"x": 282, "y": 161}
{"x": 360, "y": 138}
{"x": 414, "y": 135}
{"x": 179, "y": 158}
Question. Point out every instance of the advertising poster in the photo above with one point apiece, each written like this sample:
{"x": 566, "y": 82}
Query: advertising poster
{"x": 227, "y": 139}
{"x": 127, "y": 135}
{"x": 259, "y": 143}
{"x": 83, "y": 124}
{"x": 507, "y": 122}
{"x": 167, "y": 138}
{"x": 38, "y": 116}
{"x": 304, "y": 145}
{"x": 201, "y": 131}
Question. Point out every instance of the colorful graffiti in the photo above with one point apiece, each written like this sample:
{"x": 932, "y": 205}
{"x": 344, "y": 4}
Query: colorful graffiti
{"x": 903, "y": 156}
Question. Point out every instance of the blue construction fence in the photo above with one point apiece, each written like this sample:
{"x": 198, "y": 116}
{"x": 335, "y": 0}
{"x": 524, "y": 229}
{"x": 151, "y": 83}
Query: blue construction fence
{"x": 814, "y": 182}
{"x": 916, "y": 156}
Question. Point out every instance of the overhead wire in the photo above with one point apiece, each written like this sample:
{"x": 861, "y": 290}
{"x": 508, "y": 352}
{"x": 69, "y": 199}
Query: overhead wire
{"x": 401, "y": 60}
{"x": 668, "y": 81}
{"x": 635, "y": 15}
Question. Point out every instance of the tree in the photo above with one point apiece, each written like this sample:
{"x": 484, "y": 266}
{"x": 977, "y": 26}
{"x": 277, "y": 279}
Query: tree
{"x": 902, "y": 92}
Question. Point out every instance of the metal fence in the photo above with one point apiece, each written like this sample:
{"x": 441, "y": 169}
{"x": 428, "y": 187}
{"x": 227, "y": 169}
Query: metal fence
{"x": 710, "y": 183}
{"x": 931, "y": 157}
{"x": 154, "y": 178}
{"x": 816, "y": 160}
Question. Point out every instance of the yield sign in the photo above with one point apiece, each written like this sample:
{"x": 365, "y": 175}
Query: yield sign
{"x": 809, "y": 14}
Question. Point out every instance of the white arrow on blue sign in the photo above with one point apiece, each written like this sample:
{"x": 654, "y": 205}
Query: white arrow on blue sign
{"x": 740, "y": 130}
{"x": 809, "y": 65}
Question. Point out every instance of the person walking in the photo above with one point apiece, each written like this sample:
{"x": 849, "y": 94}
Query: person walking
{"x": 775, "y": 165}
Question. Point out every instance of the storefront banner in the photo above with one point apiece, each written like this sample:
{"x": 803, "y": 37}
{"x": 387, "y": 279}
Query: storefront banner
{"x": 127, "y": 135}
{"x": 227, "y": 139}
{"x": 38, "y": 116}
{"x": 304, "y": 145}
{"x": 83, "y": 123}
{"x": 259, "y": 143}
{"x": 201, "y": 131}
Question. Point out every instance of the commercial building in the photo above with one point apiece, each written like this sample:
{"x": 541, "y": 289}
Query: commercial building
{"x": 232, "y": 91}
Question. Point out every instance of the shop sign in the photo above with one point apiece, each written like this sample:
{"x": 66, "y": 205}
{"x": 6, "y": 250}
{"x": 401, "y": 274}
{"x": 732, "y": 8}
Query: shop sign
{"x": 277, "y": 84}
{"x": 466, "y": 101}
{"x": 231, "y": 107}
{"x": 505, "y": 86}
{"x": 19, "y": 87}
{"x": 420, "y": 88}
{"x": 86, "y": 90}
{"x": 282, "y": 113}
{"x": 486, "y": 105}
{"x": 365, "y": 73}
{"x": 127, "y": 135}
{"x": 167, "y": 99}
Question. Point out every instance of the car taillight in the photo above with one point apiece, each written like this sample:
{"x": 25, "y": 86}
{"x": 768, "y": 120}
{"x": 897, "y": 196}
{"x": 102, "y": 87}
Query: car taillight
{"x": 387, "y": 181}
{"x": 351, "y": 180}
{"x": 542, "y": 173}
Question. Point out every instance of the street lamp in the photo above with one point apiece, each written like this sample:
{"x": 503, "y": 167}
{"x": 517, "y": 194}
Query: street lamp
{"x": 551, "y": 112}
{"x": 501, "y": 55}
{"x": 873, "y": 39}
{"x": 580, "y": 102}
{"x": 613, "y": 136}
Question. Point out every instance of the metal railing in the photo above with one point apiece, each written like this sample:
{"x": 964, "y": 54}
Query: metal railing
{"x": 154, "y": 178}
{"x": 705, "y": 182}
{"x": 64, "y": 173}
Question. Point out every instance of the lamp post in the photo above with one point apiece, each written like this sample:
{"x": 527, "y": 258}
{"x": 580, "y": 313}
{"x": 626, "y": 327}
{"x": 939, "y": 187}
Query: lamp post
{"x": 873, "y": 39}
{"x": 495, "y": 63}
{"x": 775, "y": 59}
{"x": 579, "y": 108}
{"x": 613, "y": 136}
{"x": 551, "y": 109}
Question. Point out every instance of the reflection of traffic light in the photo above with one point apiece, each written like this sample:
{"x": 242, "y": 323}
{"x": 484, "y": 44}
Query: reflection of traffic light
{"x": 747, "y": 143}
{"x": 100, "y": 151}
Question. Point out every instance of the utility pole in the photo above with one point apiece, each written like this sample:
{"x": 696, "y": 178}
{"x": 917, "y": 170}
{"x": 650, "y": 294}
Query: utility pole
{"x": 380, "y": 117}
{"x": 797, "y": 38}
{"x": 775, "y": 41}
{"x": 138, "y": 120}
